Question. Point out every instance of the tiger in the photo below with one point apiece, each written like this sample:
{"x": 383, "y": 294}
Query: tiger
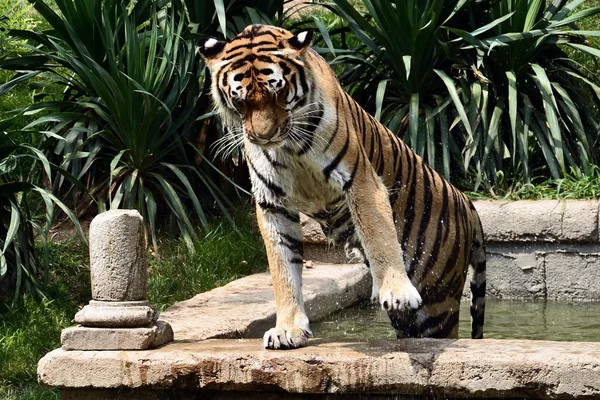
{"x": 311, "y": 149}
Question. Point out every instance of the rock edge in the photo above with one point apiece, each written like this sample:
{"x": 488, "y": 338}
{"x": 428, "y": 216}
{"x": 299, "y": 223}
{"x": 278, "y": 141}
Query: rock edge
{"x": 442, "y": 367}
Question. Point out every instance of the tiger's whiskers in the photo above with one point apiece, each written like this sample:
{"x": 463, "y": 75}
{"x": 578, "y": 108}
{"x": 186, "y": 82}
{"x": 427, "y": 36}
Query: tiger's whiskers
{"x": 228, "y": 143}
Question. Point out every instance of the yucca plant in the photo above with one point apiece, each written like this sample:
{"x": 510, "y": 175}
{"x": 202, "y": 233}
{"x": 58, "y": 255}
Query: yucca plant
{"x": 131, "y": 89}
{"x": 543, "y": 113}
{"x": 480, "y": 86}
{"x": 134, "y": 101}
{"x": 22, "y": 269}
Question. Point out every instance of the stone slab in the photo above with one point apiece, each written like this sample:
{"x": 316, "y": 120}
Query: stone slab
{"x": 580, "y": 221}
{"x": 571, "y": 221}
{"x": 539, "y": 220}
{"x": 116, "y": 314}
{"x": 448, "y": 368}
{"x": 86, "y": 338}
{"x": 249, "y": 304}
{"x": 182, "y": 394}
{"x": 555, "y": 271}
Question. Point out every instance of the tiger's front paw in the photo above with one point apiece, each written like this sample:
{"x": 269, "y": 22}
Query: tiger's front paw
{"x": 278, "y": 338}
{"x": 399, "y": 297}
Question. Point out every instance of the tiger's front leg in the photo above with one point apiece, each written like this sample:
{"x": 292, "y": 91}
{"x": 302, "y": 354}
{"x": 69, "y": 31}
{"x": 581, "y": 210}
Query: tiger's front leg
{"x": 372, "y": 215}
{"x": 282, "y": 234}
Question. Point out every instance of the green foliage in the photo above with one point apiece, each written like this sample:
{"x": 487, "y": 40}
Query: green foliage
{"x": 130, "y": 99}
{"x": 588, "y": 24}
{"x": 15, "y": 14}
{"x": 232, "y": 16}
{"x": 543, "y": 98}
{"x": 21, "y": 269}
{"x": 15, "y": 99}
{"x": 481, "y": 86}
{"x": 134, "y": 101}
{"x": 574, "y": 185}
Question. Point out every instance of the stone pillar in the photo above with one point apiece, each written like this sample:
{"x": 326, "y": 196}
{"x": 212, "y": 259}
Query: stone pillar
{"x": 119, "y": 316}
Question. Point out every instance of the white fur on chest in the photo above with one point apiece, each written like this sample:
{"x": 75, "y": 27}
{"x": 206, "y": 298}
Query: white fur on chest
{"x": 299, "y": 177}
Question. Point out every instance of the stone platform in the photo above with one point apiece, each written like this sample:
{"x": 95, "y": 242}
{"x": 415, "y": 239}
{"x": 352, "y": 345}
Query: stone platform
{"x": 535, "y": 250}
{"x": 195, "y": 366}
{"x": 245, "y": 308}
{"x": 238, "y": 368}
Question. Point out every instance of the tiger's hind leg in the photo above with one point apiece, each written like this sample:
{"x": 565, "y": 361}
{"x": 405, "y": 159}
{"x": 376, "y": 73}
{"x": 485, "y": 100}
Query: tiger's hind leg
{"x": 426, "y": 322}
{"x": 404, "y": 323}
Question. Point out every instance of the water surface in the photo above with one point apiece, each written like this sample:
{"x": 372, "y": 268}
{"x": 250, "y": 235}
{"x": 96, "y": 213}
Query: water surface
{"x": 535, "y": 320}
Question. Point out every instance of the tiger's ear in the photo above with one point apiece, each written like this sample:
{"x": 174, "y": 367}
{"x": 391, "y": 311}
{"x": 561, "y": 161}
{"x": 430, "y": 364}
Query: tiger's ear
{"x": 210, "y": 49}
{"x": 301, "y": 41}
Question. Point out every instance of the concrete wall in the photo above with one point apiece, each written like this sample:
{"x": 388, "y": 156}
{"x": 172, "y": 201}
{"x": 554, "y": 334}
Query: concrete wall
{"x": 536, "y": 249}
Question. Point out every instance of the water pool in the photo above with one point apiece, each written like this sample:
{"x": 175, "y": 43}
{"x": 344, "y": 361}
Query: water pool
{"x": 504, "y": 319}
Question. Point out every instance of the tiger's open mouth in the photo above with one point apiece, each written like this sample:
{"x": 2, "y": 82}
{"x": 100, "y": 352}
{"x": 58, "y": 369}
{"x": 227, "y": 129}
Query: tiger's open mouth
{"x": 268, "y": 142}
{"x": 264, "y": 142}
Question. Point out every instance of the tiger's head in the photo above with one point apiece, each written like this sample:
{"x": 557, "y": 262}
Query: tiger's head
{"x": 260, "y": 83}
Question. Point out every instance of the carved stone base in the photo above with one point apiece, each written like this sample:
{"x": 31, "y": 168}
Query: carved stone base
{"x": 90, "y": 338}
{"x": 117, "y": 314}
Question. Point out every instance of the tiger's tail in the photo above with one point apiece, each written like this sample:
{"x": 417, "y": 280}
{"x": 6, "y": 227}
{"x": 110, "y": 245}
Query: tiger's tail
{"x": 478, "y": 278}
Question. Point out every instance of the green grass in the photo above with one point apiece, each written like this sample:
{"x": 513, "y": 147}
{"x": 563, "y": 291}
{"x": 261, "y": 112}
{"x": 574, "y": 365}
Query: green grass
{"x": 220, "y": 256}
{"x": 21, "y": 15}
{"x": 571, "y": 187}
{"x": 26, "y": 334}
{"x": 590, "y": 23}
{"x": 587, "y": 24}
{"x": 20, "y": 96}
{"x": 31, "y": 329}
{"x": 29, "y": 392}
{"x": 23, "y": 95}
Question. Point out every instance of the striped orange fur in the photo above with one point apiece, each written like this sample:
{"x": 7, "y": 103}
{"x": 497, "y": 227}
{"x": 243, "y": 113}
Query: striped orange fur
{"x": 311, "y": 148}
